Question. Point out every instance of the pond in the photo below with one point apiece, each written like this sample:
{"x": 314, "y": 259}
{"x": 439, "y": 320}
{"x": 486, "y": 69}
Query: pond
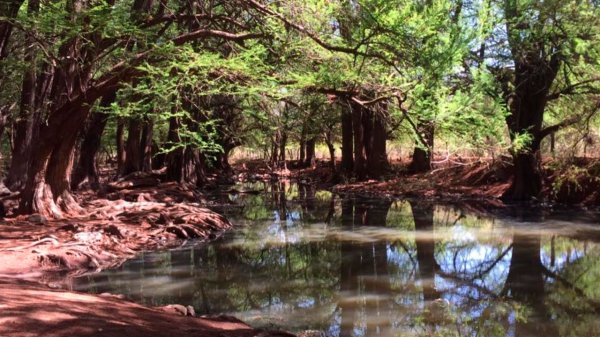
{"x": 302, "y": 259}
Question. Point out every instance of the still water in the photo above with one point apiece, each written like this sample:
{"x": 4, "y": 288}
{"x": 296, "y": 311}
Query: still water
{"x": 301, "y": 259}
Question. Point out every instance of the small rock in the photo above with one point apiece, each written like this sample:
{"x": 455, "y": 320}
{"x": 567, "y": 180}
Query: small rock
{"x": 88, "y": 236}
{"x": 177, "y": 309}
{"x": 109, "y": 295}
{"x": 191, "y": 311}
{"x": 37, "y": 219}
{"x": 53, "y": 285}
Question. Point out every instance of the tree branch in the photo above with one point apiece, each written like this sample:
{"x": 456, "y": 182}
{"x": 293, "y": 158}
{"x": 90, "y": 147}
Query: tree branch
{"x": 568, "y": 122}
{"x": 202, "y": 33}
{"x": 571, "y": 89}
{"x": 353, "y": 51}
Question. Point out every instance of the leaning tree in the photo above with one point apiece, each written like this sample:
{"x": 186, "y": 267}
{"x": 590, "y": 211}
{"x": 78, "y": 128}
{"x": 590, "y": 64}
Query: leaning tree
{"x": 91, "y": 49}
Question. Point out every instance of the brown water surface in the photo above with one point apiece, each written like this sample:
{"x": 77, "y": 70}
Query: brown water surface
{"x": 304, "y": 259}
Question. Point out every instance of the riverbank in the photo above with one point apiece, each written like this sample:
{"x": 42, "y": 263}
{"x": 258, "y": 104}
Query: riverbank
{"x": 569, "y": 182}
{"x": 114, "y": 225}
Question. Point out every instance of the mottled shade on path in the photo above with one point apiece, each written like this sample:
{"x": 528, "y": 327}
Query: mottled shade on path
{"x": 28, "y": 310}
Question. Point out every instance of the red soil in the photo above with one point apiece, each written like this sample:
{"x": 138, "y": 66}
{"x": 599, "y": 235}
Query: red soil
{"x": 28, "y": 310}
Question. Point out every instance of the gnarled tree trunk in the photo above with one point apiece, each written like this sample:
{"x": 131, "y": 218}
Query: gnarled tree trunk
{"x": 86, "y": 168}
{"x": 527, "y": 107}
{"x": 47, "y": 190}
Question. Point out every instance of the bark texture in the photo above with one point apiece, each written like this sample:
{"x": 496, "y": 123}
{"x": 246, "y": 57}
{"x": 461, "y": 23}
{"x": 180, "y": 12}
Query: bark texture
{"x": 86, "y": 169}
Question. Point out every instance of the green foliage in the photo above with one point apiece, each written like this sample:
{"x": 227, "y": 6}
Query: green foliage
{"x": 521, "y": 142}
{"x": 442, "y": 59}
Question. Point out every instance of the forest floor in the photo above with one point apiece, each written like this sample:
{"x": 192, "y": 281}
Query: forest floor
{"x": 39, "y": 255}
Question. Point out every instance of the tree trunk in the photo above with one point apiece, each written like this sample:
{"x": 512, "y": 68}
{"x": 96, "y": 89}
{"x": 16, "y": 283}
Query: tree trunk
{"x": 377, "y": 162}
{"x": 60, "y": 166}
{"x": 526, "y": 95}
{"x": 282, "y": 155}
{"x": 422, "y": 155}
{"x": 24, "y": 134}
{"x": 331, "y": 148}
{"x": 310, "y": 152}
{"x": 302, "y": 156}
{"x": 221, "y": 164}
{"x": 133, "y": 158}
{"x": 360, "y": 160}
{"x": 196, "y": 165}
{"x": 8, "y": 9}
{"x": 527, "y": 177}
{"x": 347, "y": 141}
{"x": 183, "y": 163}
{"x": 527, "y": 115}
{"x": 86, "y": 168}
{"x": 47, "y": 190}
{"x": 274, "y": 151}
{"x": 174, "y": 159}
{"x": 120, "y": 140}
{"x": 28, "y": 116}
{"x": 146, "y": 146}
{"x": 4, "y": 113}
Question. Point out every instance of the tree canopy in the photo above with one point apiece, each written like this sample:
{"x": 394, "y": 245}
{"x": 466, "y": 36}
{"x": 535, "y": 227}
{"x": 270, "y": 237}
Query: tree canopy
{"x": 188, "y": 82}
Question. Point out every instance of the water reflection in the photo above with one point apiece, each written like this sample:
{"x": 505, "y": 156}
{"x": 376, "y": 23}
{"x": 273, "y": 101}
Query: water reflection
{"x": 306, "y": 259}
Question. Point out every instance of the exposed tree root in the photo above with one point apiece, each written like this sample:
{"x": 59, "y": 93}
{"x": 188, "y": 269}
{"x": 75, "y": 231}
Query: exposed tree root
{"x": 104, "y": 233}
{"x": 33, "y": 244}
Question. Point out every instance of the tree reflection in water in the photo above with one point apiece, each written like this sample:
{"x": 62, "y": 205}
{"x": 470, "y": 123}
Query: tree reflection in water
{"x": 304, "y": 259}
{"x": 364, "y": 278}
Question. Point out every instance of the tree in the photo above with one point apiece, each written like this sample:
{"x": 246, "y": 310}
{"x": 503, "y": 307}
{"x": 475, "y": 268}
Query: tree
{"x": 539, "y": 52}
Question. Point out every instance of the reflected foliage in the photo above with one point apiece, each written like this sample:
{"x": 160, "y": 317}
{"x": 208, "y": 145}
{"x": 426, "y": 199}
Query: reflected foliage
{"x": 308, "y": 259}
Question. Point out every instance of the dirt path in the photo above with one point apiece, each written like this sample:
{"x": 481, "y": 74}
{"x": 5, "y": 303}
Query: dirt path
{"x": 27, "y": 310}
